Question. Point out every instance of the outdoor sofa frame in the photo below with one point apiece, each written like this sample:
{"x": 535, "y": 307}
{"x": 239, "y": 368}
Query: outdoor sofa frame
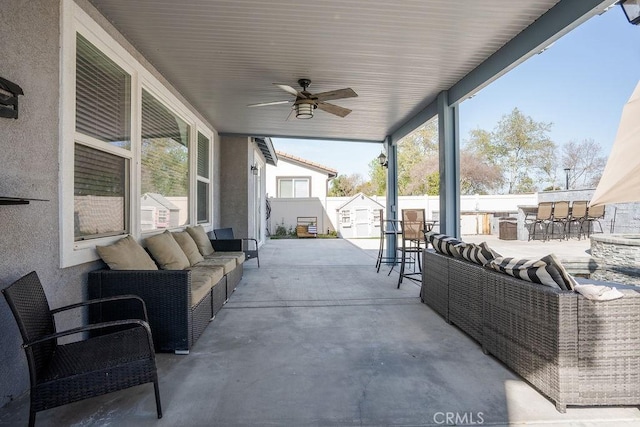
{"x": 573, "y": 350}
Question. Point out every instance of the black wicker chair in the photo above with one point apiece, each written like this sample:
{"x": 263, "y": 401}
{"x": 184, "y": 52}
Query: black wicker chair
{"x": 249, "y": 245}
{"x": 120, "y": 358}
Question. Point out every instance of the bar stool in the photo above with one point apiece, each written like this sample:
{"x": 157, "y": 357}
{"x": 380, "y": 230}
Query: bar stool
{"x": 388, "y": 227}
{"x": 413, "y": 242}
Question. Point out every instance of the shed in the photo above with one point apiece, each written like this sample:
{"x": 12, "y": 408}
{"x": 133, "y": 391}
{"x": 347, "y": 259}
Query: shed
{"x": 158, "y": 212}
{"x": 359, "y": 217}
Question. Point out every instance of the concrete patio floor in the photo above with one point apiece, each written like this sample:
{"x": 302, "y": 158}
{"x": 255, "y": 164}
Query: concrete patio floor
{"x": 316, "y": 338}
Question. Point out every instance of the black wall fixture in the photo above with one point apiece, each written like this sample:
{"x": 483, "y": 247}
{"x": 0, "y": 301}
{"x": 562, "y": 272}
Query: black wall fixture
{"x": 9, "y": 92}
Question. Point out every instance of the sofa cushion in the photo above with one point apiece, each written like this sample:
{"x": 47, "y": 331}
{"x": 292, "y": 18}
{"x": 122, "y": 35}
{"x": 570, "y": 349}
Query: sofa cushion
{"x": 202, "y": 240}
{"x": 200, "y": 286}
{"x": 229, "y": 264}
{"x": 215, "y": 272}
{"x": 540, "y": 271}
{"x": 479, "y": 254}
{"x": 443, "y": 244}
{"x": 126, "y": 254}
{"x": 568, "y": 282}
{"x": 167, "y": 251}
{"x": 188, "y": 246}
{"x": 238, "y": 256}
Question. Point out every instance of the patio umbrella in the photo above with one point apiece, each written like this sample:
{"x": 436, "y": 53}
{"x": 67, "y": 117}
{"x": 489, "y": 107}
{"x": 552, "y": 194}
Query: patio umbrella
{"x": 620, "y": 180}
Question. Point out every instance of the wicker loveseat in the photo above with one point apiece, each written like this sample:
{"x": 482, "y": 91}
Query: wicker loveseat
{"x": 573, "y": 350}
{"x": 180, "y": 302}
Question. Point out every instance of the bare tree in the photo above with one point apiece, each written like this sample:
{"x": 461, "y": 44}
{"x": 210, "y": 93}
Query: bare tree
{"x": 477, "y": 176}
{"x": 585, "y": 161}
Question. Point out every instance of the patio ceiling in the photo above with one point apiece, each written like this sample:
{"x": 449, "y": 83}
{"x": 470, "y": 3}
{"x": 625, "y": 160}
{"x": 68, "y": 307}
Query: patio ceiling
{"x": 397, "y": 55}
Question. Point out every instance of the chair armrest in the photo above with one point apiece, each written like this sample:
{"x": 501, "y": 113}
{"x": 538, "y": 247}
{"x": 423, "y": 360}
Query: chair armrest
{"x": 103, "y": 300}
{"x": 102, "y": 325}
{"x": 249, "y": 239}
{"x": 222, "y": 245}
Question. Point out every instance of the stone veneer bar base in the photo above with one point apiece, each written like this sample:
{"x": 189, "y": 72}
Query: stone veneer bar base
{"x": 618, "y": 256}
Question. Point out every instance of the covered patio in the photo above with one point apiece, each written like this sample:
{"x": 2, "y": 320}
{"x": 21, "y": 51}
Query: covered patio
{"x": 315, "y": 337}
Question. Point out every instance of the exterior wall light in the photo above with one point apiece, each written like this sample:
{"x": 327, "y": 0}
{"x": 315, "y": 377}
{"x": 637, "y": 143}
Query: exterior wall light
{"x": 382, "y": 159}
{"x": 254, "y": 169}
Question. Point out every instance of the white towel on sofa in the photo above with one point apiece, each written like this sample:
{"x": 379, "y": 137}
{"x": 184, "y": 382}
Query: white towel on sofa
{"x": 598, "y": 292}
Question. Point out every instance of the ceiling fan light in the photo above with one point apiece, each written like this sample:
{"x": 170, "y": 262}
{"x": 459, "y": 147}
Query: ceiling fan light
{"x": 304, "y": 110}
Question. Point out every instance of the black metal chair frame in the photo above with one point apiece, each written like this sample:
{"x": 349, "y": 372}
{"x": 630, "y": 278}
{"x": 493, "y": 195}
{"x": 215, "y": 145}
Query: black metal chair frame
{"x": 388, "y": 227}
{"x": 118, "y": 355}
{"x": 249, "y": 252}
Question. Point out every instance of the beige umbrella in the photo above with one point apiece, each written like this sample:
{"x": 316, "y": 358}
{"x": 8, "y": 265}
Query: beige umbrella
{"x": 620, "y": 180}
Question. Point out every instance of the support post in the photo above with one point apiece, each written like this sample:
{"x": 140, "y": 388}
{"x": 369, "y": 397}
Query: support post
{"x": 392, "y": 190}
{"x": 449, "y": 153}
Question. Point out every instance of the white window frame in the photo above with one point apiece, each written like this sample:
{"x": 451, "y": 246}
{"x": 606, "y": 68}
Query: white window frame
{"x": 293, "y": 180}
{"x": 74, "y": 20}
{"x": 209, "y": 181}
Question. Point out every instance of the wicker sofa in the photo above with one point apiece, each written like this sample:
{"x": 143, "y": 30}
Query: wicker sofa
{"x": 180, "y": 302}
{"x": 573, "y": 350}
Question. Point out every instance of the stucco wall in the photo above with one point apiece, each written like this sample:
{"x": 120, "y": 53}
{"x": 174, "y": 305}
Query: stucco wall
{"x": 30, "y": 163}
{"x": 234, "y": 206}
{"x": 29, "y": 146}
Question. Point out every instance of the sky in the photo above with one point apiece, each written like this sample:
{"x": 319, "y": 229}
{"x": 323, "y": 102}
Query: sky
{"x": 579, "y": 84}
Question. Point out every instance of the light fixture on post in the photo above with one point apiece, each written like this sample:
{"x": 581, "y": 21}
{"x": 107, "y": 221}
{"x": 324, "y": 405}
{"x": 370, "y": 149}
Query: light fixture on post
{"x": 566, "y": 173}
{"x": 631, "y": 9}
{"x": 254, "y": 169}
{"x": 304, "y": 108}
{"x": 382, "y": 159}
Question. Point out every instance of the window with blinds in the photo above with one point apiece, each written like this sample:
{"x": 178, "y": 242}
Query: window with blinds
{"x": 164, "y": 165}
{"x": 103, "y": 96}
{"x": 202, "y": 190}
{"x": 100, "y": 190}
{"x": 103, "y": 113}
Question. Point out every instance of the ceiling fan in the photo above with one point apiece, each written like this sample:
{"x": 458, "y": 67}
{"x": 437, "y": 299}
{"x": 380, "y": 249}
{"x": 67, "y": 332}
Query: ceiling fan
{"x": 306, "y": 102}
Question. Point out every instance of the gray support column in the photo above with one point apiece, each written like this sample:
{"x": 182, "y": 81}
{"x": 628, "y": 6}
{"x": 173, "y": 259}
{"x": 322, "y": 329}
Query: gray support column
{"x": 392, "y": 188}
{"x": 449, "y": 150}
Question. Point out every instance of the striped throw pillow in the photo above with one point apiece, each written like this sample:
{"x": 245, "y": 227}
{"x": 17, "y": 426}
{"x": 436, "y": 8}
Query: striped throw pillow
{"x": 532, "y": 270}
{"x": 568, "y": 281}
{"x": 479, "y": 254}
{"x": 446, "y": 245}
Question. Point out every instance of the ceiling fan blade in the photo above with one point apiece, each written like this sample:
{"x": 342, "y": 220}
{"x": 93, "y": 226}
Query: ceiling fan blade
{"x": 336, "y": 94}
{"x": 290, "y": 114}
{"x": 333, "y": 109}
{"x": 290, "y": 90}
{"x": 262, "y": 104}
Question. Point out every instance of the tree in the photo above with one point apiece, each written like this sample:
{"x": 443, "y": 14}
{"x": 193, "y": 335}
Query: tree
{"x": 418, "y": 161}
{"x": 377, "y": 179}
{"x": 478, "y": 176}
{"x": 585, "y": 161}
{"x": 344, "y": 185}
{"x": 521, "y": 148}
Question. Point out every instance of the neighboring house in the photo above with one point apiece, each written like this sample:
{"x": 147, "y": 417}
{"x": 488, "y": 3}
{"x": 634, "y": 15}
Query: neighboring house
{"x": 359, "y": 217}
{"x": 158, "y": 212}
{"x": 297, "y": 188}
{"x": 295, "y": 177}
